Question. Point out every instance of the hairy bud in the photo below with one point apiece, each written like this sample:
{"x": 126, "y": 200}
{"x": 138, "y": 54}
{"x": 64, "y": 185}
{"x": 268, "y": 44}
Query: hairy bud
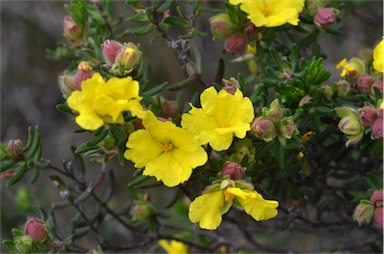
{"x": 236, "y": 44}
{"x": 233, "y": 169}
{"x": 110, "y": 50}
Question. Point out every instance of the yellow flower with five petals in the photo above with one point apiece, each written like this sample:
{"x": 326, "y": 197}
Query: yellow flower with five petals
{"x": 222, "y": 115}
{"x": 167, "y": 152}
{"x": 271, "y": 13}
{"x": 101, "y": 102}
{"x": 208, "y": 208}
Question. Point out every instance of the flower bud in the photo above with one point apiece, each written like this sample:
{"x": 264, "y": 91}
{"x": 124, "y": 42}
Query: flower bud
{"x": 368, "y": 116}
{"x": 232, "y": 82}
{"x": 233, "y": 169}
{"x": 327, "y": 91}
{"x": 66, "y": 84}
{"x": 379, "y": 84}
{"x": 84, "y": 72}
{"x": 36, "y": 229}
{"x": 378, "y": 218}
{"x": 170, "y": 109}
{"x": 377, "y": 198}
{"x": 251, "y": 31}
{"x": 363, "y": 83}
{"x": 313, "y": 5}
{"x": 72, "y": 31}
{"x": 350, "y": 125}
{"x": 236, "y": 44}
{"x": 363, "y": 213}
{"x": 110, "y": 50}
{"x": 24, "y": 244}
{"x": 324, "y": 17}
{"x": 229, "y": 89}
{"x": 343, "y": 88}
{"x": 225, "y": 183}
{"x": 275, "y": 112}
{"x": 129, "y": 56}
{"x": 15, "y": 146}
{"x": 263, "y": 128}
{"x": 142, "y": 210}
{"x": 287, "y": 128}
{"x": 377, "y": 129}
{"x": 221, "y": 26}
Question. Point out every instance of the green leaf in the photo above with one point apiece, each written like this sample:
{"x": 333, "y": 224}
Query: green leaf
{"x": 30, "y": 139}
{"x": 119, "y": 133}
{"x": 98, "y": 138}
{"x": 309, "y": 38}
{"x": 372, "y": 181}
{"x": 155, "y": 90}
{"x": 139, "y": 17}
{"x": 19, "y": 175}
{"x": 5, "y": 165}
{"x": 288, "y": 220}
{"x": 294, "y": 56}
{"x": 143, "y": 30}
{"x": 325, "y": 111}
{"x": 275, "y": 55}
{"x": 176, "y": 21}
{"x": 132, "y": 1}
{"x": 10, "y": 244}
{"x": 139, "y": 180}
{"x": 83, "y": 196}
{"x": 34, "y": 176}
{"x": 81, "y": 232}
{"x": 165, "y": 6}
{"x": 35, "y": 143}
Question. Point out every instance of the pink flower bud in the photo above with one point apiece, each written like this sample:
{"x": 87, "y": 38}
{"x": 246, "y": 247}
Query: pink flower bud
{"x": 363, "y": 83}
{"x": 324, "y": 17}
{"x": 72, "y": 31}
{"x": 379, "y": 84}
{"x": 84, "y": 72}
{"x": 368, "y": 116}
{"x": 377, "y": 198}
{"x": 129, "y": 56}
{"x": 229, "y": 89}
{"x": 378, "y": 218}
{"x": 287, "y": 128}
{"x": 15, "y": 146}
{"x": 221, "y": 26}
{"x": 233, "y": 169}
{"x": 67, "y": 84}
{"x": 110, "y": 50}
{"x": 275, "y": 112}
{"x": 236, "y": 44}
{"x": 263, "y": 128}
{"x": 363, "y": 213}
{"x": 377, "y": 129}
{"x": 251, "y": 31}
{"x": 36, "y": 229}
{"x": 170, "y": 109}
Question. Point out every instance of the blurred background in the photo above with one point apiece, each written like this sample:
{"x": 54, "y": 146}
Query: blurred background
{"x": 29, "y": 88}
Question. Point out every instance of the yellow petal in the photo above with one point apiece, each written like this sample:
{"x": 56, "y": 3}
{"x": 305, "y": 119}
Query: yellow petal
{"x": 142, "y": 148}
{"x": 378, "y": 57}
{"x": 173, "y": 247}
{"x": 88, "y": 120}
{"x": 256, "y": 206}
{"x": 206, "y": 209}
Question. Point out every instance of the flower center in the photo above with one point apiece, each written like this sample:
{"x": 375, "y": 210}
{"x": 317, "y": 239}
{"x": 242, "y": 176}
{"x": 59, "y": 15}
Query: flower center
{"x": 129, "y": 51}
{"x": 266, "y": 10}
{"x": 224, "y": 125}
{"x": 167, "y": 147}
{"x": 228, "y": 196}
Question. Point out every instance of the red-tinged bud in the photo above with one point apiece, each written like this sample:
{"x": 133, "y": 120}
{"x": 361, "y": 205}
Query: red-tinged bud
{"x": 15, "y": 146}
{"x": 72, "y": 31}
{"x": 251, "y": 31}
{"x": 231, "y": 82}
{"x": 67, "y": 84}
{"x": 129, "y": 56}
{"x": 343, "y": 88}
{"x": 275, "y": 112}
{"x": 170, "y": 109}
{"x": 233, "y": 169}
{"x": 84, "y": 72}
{"x": 221, "y": 26}
{"x": 363, "y": 212}
{"x": 368, "y": 115}
{"x": 363, "y": 83}
{"x": 236, "y": 44}
{"x": 287, "y": 128}
{"x": 377, "y": 198}
{"x": 324, "y": 17}
{"x": 110, "y": 50}
{"x": 229, "y": 89}
{"x": 378, "y": 218}
{"x": 263, "y": 128}
{"x": 377, "y": 129}
{"x": 36, "y": 229}
{"x": 379, "y": 85}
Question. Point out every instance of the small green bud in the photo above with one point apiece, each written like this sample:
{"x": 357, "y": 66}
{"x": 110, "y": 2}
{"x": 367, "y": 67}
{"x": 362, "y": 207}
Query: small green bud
{"x": 221, "y": 26}
{"x": 364, "y": 212}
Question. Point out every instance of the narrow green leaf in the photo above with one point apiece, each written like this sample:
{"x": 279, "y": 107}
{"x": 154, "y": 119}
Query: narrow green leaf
{"x": 288, "y": 220}
{"x": 34, "y": 176}
{"x": 166, "y": 5}
{"x": 155, "y": 90}
{"x": 10, "y": 244}
{"x": 5, "y": 165}
{"x": 143, "y": 30}
{"x": 275, "y": 55}
{"x": 139, "y": 17}
{"x": 35, "y": 143}
{"x": 81, "y": 232}
{"x": 64, "y": 108}
{"x": 119, "y": 133}
{"x": 139, "y": 180}
{"x": 83, "y": 196}
{"x": 98, "y": 138}
{"x": 20, "y": 173}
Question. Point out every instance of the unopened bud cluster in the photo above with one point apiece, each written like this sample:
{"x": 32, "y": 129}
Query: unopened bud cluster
{"x": 370, "y": 211}
{"x": 34, "y": 239}
{"x": 273, "y": 123}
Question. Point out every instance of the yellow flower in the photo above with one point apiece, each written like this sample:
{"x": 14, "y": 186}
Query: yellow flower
{"x": 208, "y": 208}
{"x": 378, "y": 57}
{"x": 167, "y": 152}
{"x": 173, "y": 247}
{"x": 351, "y": 69}
{"x": 222, "y": 115}
{"x": 271, "y": 13}
{"x": 99, "y": 102}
